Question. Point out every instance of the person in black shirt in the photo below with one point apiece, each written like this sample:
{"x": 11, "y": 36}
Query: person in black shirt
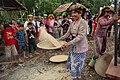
{"x": 31, "y": 37}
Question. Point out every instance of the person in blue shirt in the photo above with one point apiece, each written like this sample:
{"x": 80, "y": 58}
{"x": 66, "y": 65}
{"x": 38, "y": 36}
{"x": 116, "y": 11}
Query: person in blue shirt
{"x": 21, "y": 37}
{"x": 65, "y": 24}
{"x": 56, "y": 31}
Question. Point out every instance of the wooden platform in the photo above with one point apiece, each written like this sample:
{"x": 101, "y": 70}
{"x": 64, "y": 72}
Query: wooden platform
{"x": 113, "y": 72}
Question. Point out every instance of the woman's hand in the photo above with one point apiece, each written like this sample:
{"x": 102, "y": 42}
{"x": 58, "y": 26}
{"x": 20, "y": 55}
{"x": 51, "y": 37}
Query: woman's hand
{"x": 66, "y": 45}
{"x": 115, "y": 17}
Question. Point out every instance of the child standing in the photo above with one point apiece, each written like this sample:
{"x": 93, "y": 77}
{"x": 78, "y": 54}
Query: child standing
{"x": 31, "y": 38}
{"x": 9, "y": 40}
{"x": 21, "y": 36}
{"x": 56, "y": 31}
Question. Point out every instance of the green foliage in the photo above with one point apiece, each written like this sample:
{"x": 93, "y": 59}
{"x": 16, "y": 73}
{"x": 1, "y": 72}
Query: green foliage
{"x": 29, "y": 4}
{"x": 9, "y": 15}
{"x": 48, "y": 6}
{"x": 95, "y": 5}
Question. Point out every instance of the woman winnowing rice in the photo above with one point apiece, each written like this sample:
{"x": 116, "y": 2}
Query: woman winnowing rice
{"x": 78, "y": 44}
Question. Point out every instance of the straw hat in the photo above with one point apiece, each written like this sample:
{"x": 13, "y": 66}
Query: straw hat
{"x": 77, "y": 6}
{"x": 102, "y": 64}
{"x": 107, "y": 9}
{"x": 30, "y": 15}
{"x": 59, "y": 58}
{"x": 47, "y": 41}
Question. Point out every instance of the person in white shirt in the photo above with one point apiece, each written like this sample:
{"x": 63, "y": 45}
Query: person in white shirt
{"x": 30, "y": 19}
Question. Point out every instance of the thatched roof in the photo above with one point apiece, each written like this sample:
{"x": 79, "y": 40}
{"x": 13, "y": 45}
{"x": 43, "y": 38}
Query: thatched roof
{"x": 11, "y": 5}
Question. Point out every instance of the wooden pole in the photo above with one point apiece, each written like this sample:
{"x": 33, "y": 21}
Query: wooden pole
{"x": 21, "y": 15}
{"x": 116, "y": 39}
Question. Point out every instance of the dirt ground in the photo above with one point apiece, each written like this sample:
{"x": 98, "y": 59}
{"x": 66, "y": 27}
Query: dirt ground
{"x": 40, "y": 68}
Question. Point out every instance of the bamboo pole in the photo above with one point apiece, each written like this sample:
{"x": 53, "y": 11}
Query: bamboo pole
{"x": 116, "y": 39}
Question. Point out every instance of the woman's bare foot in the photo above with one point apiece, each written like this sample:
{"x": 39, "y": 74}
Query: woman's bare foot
{"x": 20, "y": 60}
{"x": 26, "y": 57}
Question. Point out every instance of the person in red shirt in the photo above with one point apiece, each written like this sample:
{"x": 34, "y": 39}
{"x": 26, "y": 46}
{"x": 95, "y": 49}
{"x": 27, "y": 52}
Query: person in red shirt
{"x": 9, "y": 40}
{"x": 16, "y": 27}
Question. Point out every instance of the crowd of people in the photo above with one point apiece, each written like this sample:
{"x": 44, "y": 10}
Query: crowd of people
{"x": 20, "y": 39}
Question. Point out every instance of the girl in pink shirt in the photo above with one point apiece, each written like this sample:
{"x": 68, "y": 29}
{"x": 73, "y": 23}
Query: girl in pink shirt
{"x": 50, "y": 23}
